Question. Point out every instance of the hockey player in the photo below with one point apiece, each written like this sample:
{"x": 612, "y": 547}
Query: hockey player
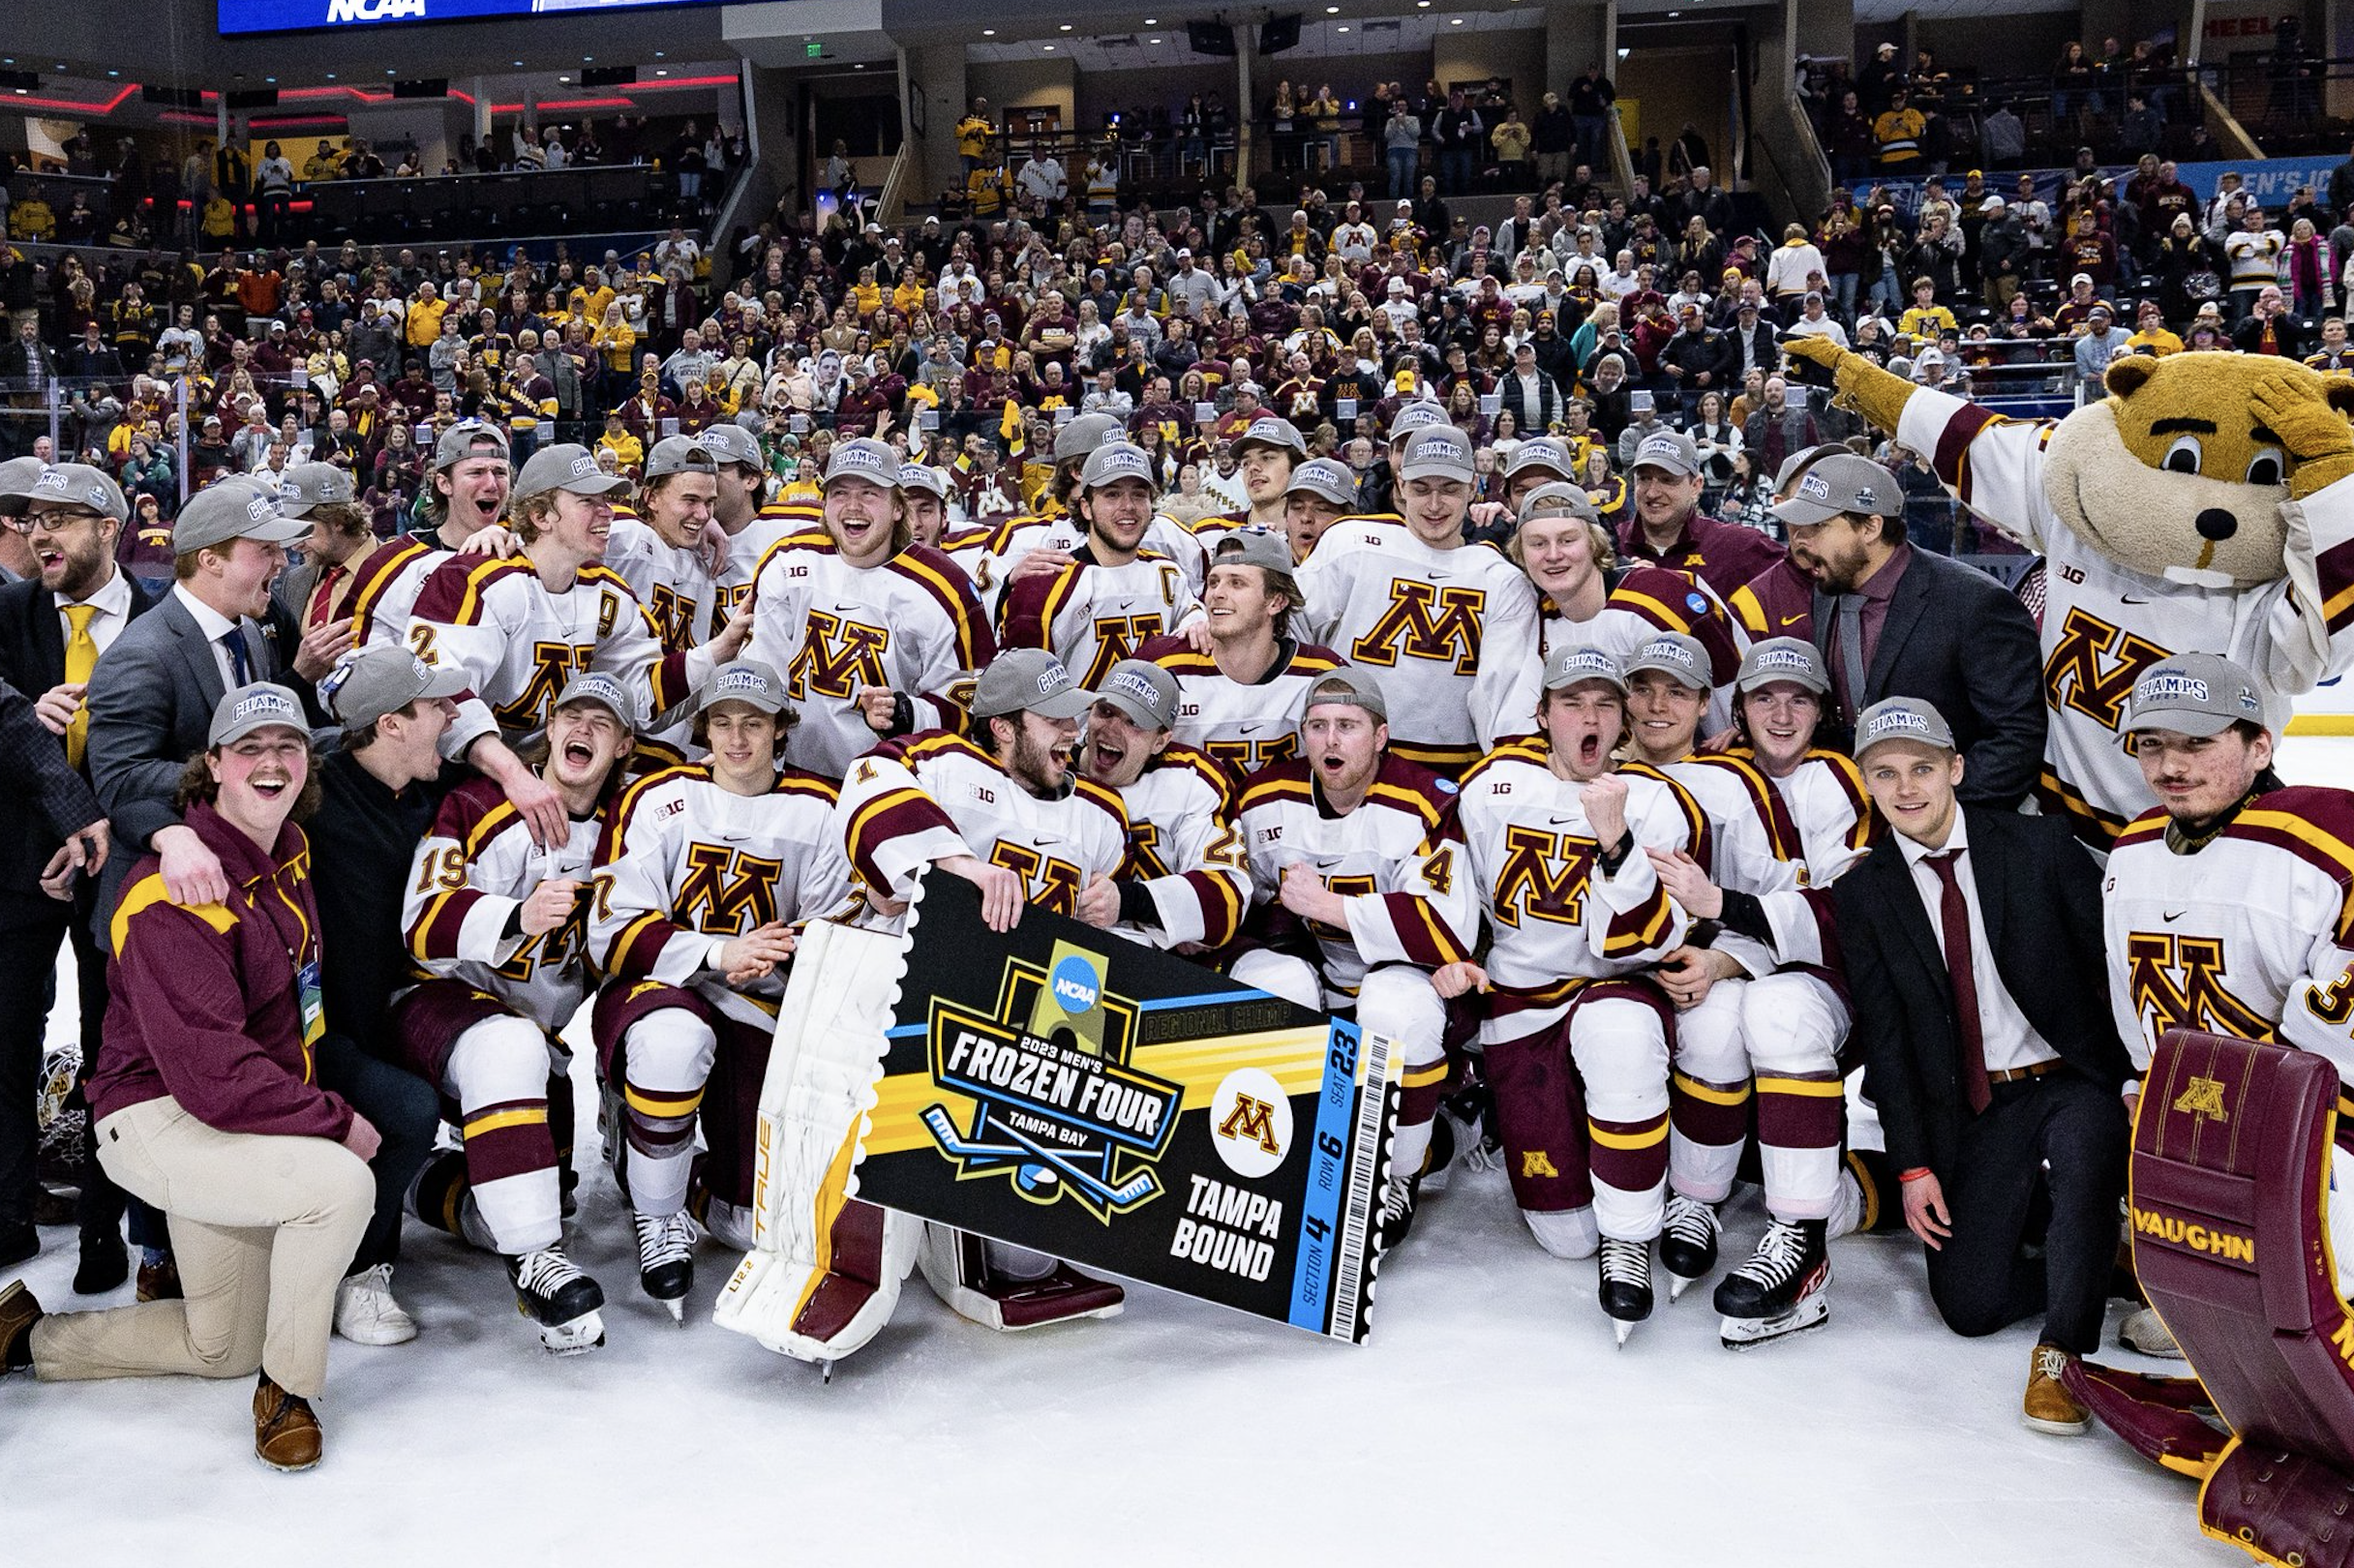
{"x": 496, "y": 925}
{"x": 1241, "y": 700}
{"x": 1186, "y": 885}
{"x": 751, "y": 527}
{"x": 704, "y": 873}
{"x": 1453, "y": 627}
{"x": 1005, "y": 811}
{"x": 870, "y": 629}
{"x": 465, "y": 492}
{"x": 1358, "y": 877}
{"x": 1557, "y": 843}
{"x": 1044, "y": 543}
{"x": 659, "y": 552}
{"x": 521, "y": 628}
{"x": 1269, "y": 452}
{"x": 1115, "y": 595}
{"x": 2227, "y": 905}
{"x": 1319, "y": 494}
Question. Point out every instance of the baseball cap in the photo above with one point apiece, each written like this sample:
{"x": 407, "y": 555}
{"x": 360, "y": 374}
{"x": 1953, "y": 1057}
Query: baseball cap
{"x": 1839, "y": 484}
{"x": 1545, "y": 453}
{"x": 1083, "y": 435}
{"x": 386, "y": 679}
{"x": 2197, "y": 694}
{"x": 1254, "y": 547}
{"x": 1324, "y": 478}
{"x": 1028, "y": 679}
{"x": 1269, "y": 431}
{"x": 1114, "y": 462}
{"x": 309, "y": 485}
{"x": 233, "y": 508}
{"x": 1557, "y": 500}
{"x": 1673, "y": 654}
{"x": 596, "y": 687}
{"x": 17, "y": 476}
{"x": 1419, "y": 414}
{"x": 1352, "y": 684}
{"x": 1145, "y": 692}
{"x": 2084, "y": 277}
{"x": 1902, "y": 718}
{"x": 743, "y": 681}
{"x": 732, "y": 443}
{"x": 1795, "y": 463}
{"x": 864, "y": 457}
{"x": 679, "y": 454}
{"x": 1782, "y": 658}
{"x": 566, "y": 465}
{"x": 1668, "y": 449}
{"x": 257, "y": 706}
{"x": 76, "y": 482}
{"x": 925, "y": 478}
{"x": 1574, "y": 664}
{"x": 466, "y": 439}
{"x": 1440, "y": 452}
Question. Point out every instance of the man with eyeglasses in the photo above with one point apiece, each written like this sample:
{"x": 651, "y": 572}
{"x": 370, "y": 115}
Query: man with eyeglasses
{"x": 69, "y": 608}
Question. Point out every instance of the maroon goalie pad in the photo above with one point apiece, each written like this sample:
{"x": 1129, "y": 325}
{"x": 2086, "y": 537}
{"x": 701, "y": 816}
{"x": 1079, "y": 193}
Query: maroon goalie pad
{"x": 2158, "y": 1417}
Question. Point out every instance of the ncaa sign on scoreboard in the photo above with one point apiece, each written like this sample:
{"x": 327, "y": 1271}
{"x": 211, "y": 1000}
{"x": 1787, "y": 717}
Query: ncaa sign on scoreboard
{"x": 293, "y": 15}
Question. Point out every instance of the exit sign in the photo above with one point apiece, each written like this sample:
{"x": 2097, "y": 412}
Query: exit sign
{"x": 816, "y": 51}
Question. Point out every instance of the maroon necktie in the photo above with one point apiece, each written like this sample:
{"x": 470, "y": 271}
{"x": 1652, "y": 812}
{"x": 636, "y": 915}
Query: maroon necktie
{"x": 1954, "y": 914}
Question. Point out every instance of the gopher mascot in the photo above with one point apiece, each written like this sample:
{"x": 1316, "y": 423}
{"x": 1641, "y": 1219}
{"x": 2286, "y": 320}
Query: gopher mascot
{"x": 2205, "y": 505}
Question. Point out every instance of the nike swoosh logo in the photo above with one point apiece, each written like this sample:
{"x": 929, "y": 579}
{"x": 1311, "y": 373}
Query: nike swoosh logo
{"x": 1042, "y": 843}
{"x": 1559, "y": 821}
{"x": 2175, "y": 915}
{"x": 1787, "y": 619}
{"x": 1248, "y": 729}
{"x": 2128, "y": 598}
{"x": 846, "y": 606}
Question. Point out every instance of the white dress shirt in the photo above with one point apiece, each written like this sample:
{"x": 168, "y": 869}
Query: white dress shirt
{"x": 214, "y": 626}
{"x": 113, "y": 602}
{"x": 2008, "y": 1039}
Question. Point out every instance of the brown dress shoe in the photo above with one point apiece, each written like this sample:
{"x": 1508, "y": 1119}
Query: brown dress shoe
{"x": 285, "y": 1432}
{"x": 2051, "y": 1408}
{"x": 18, "y": 1312}
{"x": 160, "y": 1281}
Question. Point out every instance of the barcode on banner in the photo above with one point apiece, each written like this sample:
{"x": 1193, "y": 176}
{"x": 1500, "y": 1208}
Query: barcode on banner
{"x": 1364, "y": 1183}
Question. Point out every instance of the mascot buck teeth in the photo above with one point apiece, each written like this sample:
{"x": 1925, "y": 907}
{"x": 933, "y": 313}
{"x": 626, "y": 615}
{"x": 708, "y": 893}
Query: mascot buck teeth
{"x": 2205, "y": 505}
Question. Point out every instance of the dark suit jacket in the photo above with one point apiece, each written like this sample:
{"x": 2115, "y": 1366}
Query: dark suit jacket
{"x": 2039, "y": 894}
{"x": 1958, "y": 640}
{"x": 33, "y": 659}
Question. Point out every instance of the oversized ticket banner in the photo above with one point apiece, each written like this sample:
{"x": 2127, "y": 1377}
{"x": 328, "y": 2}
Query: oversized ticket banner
{"x": 1066, "y": 1090}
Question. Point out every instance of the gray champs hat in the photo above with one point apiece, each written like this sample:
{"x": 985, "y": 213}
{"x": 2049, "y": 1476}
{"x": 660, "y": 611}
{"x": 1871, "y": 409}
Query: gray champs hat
{"x": 233, "y": 508}
{"x": 1269, "y": 431}
{"x": 1083, "y": 435}
{"x": 1324, "y": 479}
{"x": 1544, "y": 455}
{"x": 1796, "y": 464}
{"x": 468, "y": 438}
{"x": 565, "y": 467}
{"x": 596, "y": 687}
{"x": 1574, "y": 664}
{"x": 1145, "y": 692}
{"x": 386, "y": 679}
{"x": 1840, "y": 484}
{"x": 1419, "y": 414}
{"x": 925, "y": 478}
{"x": 1114, "y": 462}
{"x": 257, "y": 706}
{"x": 309, "y": 485}
{"x": 1029, "y": 680}
{"x": 1668, "y": 449}
{"x": 1556, "y": 499}
{"x": 1350, "y": 684}
{"x": 1782, "y": 658}
{"x": 743, "y": 681}
{"x": 1902, "y": 718}
{"x": 2196, "y": 694}
{"x": 1255, "y": 547}
{"x": 17, "y": 476}
{"x": 75, "y": 482}
{"x": 864, "y": 457}
{"x": 1441, "y": 452}
{"x": 679, "y": 454}
{"x": 1678, "y": 657}
{"x": 732, "y": 443}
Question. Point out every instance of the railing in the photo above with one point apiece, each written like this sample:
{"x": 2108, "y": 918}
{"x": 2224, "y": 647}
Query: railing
{"x": 1793, "y": 154}
{"x": 2230, "y": 136}
{"x": 891, "y": 203}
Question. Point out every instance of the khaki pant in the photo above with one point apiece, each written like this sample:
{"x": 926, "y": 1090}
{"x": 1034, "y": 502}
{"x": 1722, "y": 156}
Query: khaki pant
{"x": 262, "y": 1228}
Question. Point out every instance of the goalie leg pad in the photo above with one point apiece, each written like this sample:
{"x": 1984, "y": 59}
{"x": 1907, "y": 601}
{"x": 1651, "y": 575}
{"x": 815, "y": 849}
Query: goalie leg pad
{"x": 1011, "y": 1289}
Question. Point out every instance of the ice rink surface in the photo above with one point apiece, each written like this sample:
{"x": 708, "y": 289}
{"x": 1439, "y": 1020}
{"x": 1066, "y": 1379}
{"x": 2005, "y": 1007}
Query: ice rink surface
{"x": 1489, "y": 1420}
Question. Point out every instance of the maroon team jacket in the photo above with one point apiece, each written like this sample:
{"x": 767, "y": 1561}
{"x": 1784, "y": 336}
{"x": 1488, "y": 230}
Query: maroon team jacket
{"x": 1725, "y": 556}
{"x": 205, "y": 1003}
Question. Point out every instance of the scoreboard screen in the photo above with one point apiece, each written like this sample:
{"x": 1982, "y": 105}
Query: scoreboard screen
{"x": 290, "y": 16}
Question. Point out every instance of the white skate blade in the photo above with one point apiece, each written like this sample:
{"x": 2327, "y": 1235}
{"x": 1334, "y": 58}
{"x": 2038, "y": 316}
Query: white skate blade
{"x": 582, "y": 1333}
{"x": 1748, "y": 1333}
{"x": 677, "y": 1311}
{"x": 1677, "y": 1283}
{"x": 1622, "y": 1327}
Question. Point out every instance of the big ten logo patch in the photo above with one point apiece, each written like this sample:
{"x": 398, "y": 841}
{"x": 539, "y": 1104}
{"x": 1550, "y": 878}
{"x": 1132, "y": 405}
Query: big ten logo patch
{"x": 1250, "y": 1121}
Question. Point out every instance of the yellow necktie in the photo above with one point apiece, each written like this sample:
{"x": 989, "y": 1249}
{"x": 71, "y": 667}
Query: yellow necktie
{"x": 81, "y": 657}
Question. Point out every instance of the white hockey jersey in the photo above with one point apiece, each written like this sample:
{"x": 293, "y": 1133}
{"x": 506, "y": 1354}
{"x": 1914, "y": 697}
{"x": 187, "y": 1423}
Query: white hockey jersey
{"x": 1755, "y": 846}
{"x": 471, "y": 872}
{"x": 746, "y": 550}
{"x": 911, "y": 624}
{"x": 1454, "y": 633}
{"x": 673, "y": 585}
{"x": 1183, "y": 847}
{"x": 1093, "y": 616}
{"x": 994, "y": 553}
{"x": 2104, "y": 623}
{"x": 929, "y": 797}
{"x": 1644, "y": 601}
{"x": 1397, "y": 860}
{"x": 2252, "y": 935}
{"x": 1246, "y": 727}
{"x": 385, "y": 590}
{"x": 1831, "y": 815}
{"x": 1557, "y": 921}
{"x": 686, "y": 865}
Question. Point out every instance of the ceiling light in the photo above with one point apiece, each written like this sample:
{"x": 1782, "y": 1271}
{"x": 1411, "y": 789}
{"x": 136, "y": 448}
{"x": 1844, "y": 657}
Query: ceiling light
{"x": 1151, "y": 40}
{"x": 330, "y": 76}
{"x": 518, "y": 65}
{"x": 662, "y": 73}
{"x": 1065, "y": 27}
{"x": 270, "y": 79}
{"x": 989, "y": 32}
{"x": 658, "y": 54}
{"x": 117, "y": 73}
{"x": 1340, "y": 29}
{"x": 1048, "y": 47}
{"x": 860, "y": 65}
{"x": 567, "y": 81}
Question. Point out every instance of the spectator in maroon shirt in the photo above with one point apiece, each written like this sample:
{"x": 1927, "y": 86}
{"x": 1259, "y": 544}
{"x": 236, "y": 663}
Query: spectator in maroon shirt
{"x": 1666, "y": 527}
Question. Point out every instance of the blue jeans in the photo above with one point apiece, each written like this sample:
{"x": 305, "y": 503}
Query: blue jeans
{"x": 405, "y": 1111}
{"x": 1455, "y": 170}
{"x": 1843, "y": 290}
{"x": 1402, "y": 161}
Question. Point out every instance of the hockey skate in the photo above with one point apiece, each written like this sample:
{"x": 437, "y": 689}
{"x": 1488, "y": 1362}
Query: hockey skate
{"x": 1688, "y": 1243}
{"x": 1624, "y": 1285}
{"x": 666, "y": 1259}
{"x": 559, "y": 1299}
{"x": 1782, "y": 1289}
